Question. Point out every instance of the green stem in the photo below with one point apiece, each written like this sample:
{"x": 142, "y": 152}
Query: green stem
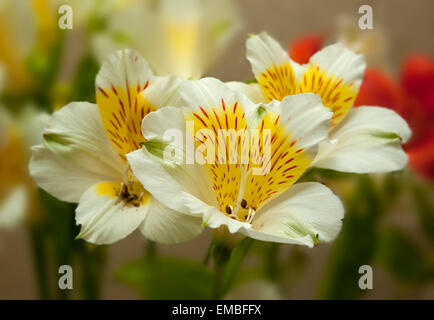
{"x": 227, "y": 263}
{"x": 150, "y": 249}
{"x": 94, "y": 259}
{"x": 40, "y": 261}
{"x": 65, "y": 229}
{"x": 272, "y": 261}
{"x": 208, "y": 255}
{"x": 221, "y": 255}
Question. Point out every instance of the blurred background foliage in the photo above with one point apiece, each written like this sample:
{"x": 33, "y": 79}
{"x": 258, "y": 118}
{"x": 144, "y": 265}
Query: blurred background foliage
{"x": 389, "y": 220}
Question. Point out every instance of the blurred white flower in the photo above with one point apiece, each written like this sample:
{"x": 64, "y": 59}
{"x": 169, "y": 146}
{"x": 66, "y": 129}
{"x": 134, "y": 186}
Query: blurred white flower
{"x": 28, "y": 31}
{"x": 17, "y": 190}
{"x": 371, "y": 43}
{"x": 176, "y": 37}
{"x": 18, "y": 36}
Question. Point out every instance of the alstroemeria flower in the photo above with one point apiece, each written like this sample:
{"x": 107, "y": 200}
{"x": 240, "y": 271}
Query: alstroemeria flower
{"x": 413, "y": 100}
{"x": 305, "y": 47}
{"x": 19, "y": 25}
{"x": 417, "y": 81}
{"x": 372, "y": 44}
{"x": 82, "y": 158}
{"x": 183, "y": 38}
{"x": 363, "y": 139}
{"x": 255, "y": 196}
{"x": 29, "y": 30}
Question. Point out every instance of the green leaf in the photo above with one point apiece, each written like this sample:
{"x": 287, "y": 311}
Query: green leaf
{"x": 232, "y": 267}
{"x": 44, "y": 65}
{"x": 249, "y": 81}
{"x": 355, "y": 245}
{"x": 55, "y": 231}
{"x": 83, "y": 87}
{"x": 401, "y": 257}
{"x": 425, "y": 211}
{"x": 392, "y": 186}
{"x": 167, "y": 278}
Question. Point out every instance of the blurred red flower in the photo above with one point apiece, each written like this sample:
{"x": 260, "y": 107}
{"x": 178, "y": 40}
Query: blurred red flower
{"x": 417, "y": 83}
{"x": 412, "y": 98}
{"x": 304, "y": 47}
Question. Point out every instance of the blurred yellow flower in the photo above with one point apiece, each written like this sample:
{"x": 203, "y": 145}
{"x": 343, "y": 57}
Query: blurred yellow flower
{"x": 18, "y": 192}
{"x": 28, "y": 30}
{"x": 176, "y": 37}
{"x": 371, "y": 43}
{"x": 18, "y": 34}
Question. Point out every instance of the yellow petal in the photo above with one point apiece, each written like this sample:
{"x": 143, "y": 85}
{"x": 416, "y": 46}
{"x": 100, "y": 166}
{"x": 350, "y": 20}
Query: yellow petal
{"x": 335, "y": 94}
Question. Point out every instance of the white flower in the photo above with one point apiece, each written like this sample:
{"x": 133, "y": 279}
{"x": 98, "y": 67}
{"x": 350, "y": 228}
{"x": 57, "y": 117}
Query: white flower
{"x": 82, "y": 158}
{"x": 183, "y": 38}
{"x": 13, "y": 195}
{"x": 265, "y": 205}
{"x": 362, "y": 139}
{"x": 373, "y": 44}
{"x": 17, "y": 191}
{"x": 28, "y": 31}
{"x": 18, "y": 36}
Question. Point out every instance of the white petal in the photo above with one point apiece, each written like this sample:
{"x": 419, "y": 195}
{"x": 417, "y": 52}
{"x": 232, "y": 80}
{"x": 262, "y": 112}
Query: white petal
{"x": 368, "y": 140}
{"x": 205, "y": 93}
{"x": 162, "y": 90}
{"x": 209, "y": 93}
{"x": 264, "y": 52}
{"x": 165, "y": 178}
{"x": 251, "y": 90}
{"x": 305, "y": 117}
{"x": 156, "y": 124}
{"x": 307, "y": 212}
{"x": 149, "y": 170}
{"x": 32, "y": 124}
{"x": 341, "y": 62}
{"x": 213, "y": 217}
{"x": 123, "y": 67}
{"x": 13, "y": 208}
{"x": 105, "y": 219}
{"x": 76, "y": 153}
{"x": 165, "y": 225}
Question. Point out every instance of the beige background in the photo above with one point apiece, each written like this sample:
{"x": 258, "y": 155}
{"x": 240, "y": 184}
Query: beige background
{"x": 409, "y": 26}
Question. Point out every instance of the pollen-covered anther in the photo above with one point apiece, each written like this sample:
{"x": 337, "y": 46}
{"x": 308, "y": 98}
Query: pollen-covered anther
{"x": 131, "y": 193}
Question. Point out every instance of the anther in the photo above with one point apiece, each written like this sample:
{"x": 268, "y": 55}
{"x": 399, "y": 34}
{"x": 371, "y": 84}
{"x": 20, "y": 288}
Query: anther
{"x": 228, "y": 209}
{"x": 244, "y": 203}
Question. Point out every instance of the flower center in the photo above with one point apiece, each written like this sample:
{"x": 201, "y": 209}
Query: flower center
{"x": 255, "y": 167}
{"x": 130, "y": 192}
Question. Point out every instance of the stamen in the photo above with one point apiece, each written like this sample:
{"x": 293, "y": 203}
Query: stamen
{"x": 250, "y": 215}
{"x": 131, "y": 191}
{"x": 243, "y": 179}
